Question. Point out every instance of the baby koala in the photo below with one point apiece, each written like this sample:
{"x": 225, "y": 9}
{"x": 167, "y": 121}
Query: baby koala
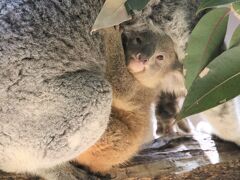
{"x": 147, "y": 52}
{"x": 149, "y": 55}
{"x": 136, "y": 79}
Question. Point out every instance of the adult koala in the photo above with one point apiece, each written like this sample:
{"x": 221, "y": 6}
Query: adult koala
{"x": 54, "y": 99}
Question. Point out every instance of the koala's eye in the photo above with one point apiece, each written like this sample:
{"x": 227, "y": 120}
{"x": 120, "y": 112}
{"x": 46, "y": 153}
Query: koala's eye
{"x": 160, "y": 57}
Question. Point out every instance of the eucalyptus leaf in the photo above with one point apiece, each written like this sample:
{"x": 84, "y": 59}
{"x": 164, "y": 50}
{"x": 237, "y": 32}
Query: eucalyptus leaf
{"x": 235, "y": 38}
{"x": 236, "y": 7}
{"x": 136, "y": 4}
{"x": 112, "y": 13}
{"x": 205, "y": 42}
{"x": 220, "y": 84}
{"x": 213, "y": 3}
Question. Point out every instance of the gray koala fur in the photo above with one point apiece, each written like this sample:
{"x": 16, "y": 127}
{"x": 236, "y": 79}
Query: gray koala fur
{"x": 54, "y": 99}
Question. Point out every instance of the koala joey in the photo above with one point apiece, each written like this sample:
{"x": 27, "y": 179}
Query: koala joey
{"x": 136, "y": 79}
{"x": 146, "y": 52}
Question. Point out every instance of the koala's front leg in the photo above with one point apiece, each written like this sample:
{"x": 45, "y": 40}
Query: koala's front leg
{"x": 49, "y": 127}
{"x": 116, "y": 65}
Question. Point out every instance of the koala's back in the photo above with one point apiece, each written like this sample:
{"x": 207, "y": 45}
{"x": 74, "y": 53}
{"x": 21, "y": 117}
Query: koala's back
{"x": 48, "y": 37}
{"x": 52, "y": 88}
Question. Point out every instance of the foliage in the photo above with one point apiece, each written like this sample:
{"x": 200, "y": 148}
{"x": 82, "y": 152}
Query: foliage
{"x": 115, "y": 12}
{"x": 212, "y": 76}
{"x": 205, "y": 42}
{"x": 138, "y": 5}
{"x": 215, "y": 3}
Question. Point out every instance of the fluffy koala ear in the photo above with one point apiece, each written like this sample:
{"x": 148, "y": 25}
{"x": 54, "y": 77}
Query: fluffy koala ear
{"x": 148, "y": 9}
{"x": 180, "y": 51}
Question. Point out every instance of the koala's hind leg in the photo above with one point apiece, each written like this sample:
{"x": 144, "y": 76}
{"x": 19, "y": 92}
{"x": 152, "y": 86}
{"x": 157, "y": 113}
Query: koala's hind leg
{"x": 120, "y": 141}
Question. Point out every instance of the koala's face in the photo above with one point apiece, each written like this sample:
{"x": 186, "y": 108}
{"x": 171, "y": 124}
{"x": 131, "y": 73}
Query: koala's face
{"x": 149, "y": 55}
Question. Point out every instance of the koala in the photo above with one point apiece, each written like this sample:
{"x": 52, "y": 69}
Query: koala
{"x": 135, "y": 78}
{"x": 55, "y": 100}
{"x": 171, "y": 89}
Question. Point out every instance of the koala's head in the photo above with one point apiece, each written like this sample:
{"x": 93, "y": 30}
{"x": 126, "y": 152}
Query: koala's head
{"x": 149, "y": 55}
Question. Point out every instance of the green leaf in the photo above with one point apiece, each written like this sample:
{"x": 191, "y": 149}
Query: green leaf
{"x": 213, "y": 3}
{"x": 112, "y": 13}
{"x": 235, "y": 38}
{"x": 220, "y": 83}
{"x": 205, "y": 42}
{"x": 135, "y": 4}
{"x": 236, "y": 7}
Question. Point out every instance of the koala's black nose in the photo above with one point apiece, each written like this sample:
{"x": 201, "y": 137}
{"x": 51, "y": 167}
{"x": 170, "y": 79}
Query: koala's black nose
{"x": 141, "y": 58}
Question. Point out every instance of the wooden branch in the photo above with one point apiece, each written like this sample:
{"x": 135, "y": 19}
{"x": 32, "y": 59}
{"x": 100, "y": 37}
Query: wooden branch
{"x": 180, "y": 157}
